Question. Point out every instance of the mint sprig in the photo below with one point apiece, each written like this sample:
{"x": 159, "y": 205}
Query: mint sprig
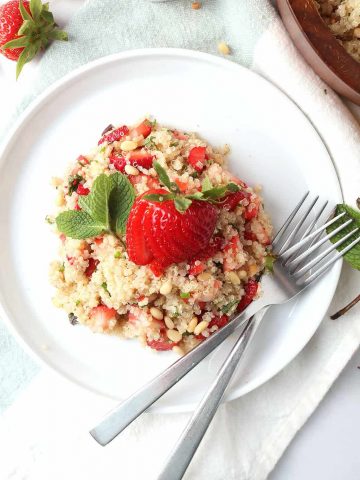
{"x": 353, "y": 256}
{"x": 105, "y": 209}
{"x": 208, "y": 193}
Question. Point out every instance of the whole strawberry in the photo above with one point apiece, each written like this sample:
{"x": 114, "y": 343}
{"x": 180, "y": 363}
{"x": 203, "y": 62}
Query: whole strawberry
{"x": 25, "y": 28}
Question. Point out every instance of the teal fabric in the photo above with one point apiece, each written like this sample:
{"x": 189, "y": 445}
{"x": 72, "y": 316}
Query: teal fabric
{"x": 103, "y": 27}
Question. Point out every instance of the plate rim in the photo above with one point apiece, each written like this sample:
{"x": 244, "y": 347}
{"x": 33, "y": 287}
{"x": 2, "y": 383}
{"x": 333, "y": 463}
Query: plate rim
{"x": 36, "y": 104}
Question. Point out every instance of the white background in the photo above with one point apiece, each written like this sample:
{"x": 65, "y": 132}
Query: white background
{"x": 327, "y": 447}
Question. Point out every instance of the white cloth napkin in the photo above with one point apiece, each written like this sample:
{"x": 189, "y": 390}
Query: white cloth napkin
{"x": 44, "y": 434}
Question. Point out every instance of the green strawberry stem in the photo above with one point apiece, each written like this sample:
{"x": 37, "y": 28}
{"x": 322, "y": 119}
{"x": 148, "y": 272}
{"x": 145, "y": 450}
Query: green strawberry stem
{"x": 37, "y": 30}
{"x": 209, "y": 193}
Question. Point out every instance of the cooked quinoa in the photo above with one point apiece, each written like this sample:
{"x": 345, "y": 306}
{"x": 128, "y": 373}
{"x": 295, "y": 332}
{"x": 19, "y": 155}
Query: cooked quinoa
{"x": 343, "y": 18}
{"x": 188, "y": 301}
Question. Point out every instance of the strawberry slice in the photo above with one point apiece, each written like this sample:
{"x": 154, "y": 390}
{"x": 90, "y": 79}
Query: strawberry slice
{"x": 137, "y": 248}
{"x": 90, "y": 269}
{"x": 115, "y": 135}
{"x": 143, "y": 129}
{"x": 197, "y": 158}
{"x": 141, "y": 158}
{"x": 101, "y": 315}
{"x": 119, "y": 162}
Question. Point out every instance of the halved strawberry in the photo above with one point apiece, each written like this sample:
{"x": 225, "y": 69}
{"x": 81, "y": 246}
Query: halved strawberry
{"x": 197, "y": 158}
{"x": 143, "y": 129}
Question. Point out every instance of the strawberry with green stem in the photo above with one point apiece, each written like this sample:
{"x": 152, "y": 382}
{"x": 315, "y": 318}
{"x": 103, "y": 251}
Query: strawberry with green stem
{"x": 25, "y": 29}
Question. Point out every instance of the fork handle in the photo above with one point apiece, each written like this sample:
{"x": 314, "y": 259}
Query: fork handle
{"x": 185, "y": 448}
{"x": 125, "y": 413}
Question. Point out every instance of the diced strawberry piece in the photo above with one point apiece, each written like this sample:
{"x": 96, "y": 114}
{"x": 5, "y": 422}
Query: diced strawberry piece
{"x": 232, "y": 200}
{"x": 197, "y": 157}
{"x": 141, "y": 158}
{"x": 219, "y": 321}
{"x": 71, "y": 260}
{"x": 179, "y": 135}
{"x": 251, "y": 289}
{"x": 202, "y": 305}
{"x": 119, "y": 162}
{"x": 81, "y": 190}
{"x": 162, "y": 345}
{"x": 98, "y": 240}
{"x": 77, "y": 206}
{"x": 90, "y": 269}
{"x": 143, "y": 129}
{"x": 62, "y": 237}
{"x": 251, "y": 211}
{"x": 196, "y": 269}
{"x": 115, "y": 135}
{"x": 233, "y": 244}
{"x": 102, "y": 315}
{"x": 182, "y": 185}
{"x": 83, "y": 160}
{"x": 249, "y": 234}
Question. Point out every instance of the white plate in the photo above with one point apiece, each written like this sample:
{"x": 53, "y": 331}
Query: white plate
{"x": 272, "y": 143}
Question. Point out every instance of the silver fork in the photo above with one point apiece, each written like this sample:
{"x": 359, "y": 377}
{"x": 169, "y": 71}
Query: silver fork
{"x": 292, "y": 269}
{"x": 278, "y": 288}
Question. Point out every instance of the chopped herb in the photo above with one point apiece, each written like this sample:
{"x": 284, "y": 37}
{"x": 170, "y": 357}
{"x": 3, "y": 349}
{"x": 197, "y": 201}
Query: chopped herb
{"x": 150, "y": 144}
{"x": 175, "y": 314}
{"x": 117, "y": 254}
{"x": 194, "y": 175}
{"x": 74, "y": 181}
{"x": 77, "y": 303}
{"x": 102, "y": 149}
{"x": 174, "y": 144}
{"x": 152, "y": 123}
{"x": 49, "y": 220}
{"x": 104, "y": 286}
{"x": 62, "y": 268}
{"x": 73, "y": 319}
{"x": 184, "y": 295}
{"x": 229, "y": 306}
{"x": 269, "y": 262}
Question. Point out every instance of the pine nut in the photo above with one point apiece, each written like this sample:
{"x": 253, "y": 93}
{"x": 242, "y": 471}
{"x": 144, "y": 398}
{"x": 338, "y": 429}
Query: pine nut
{"x": 169, "y": 323}
{"x": 253, "y": 269}
{"x": 200, "y": 327}
{"x": 196, "y": 5}
{"x": 192, "y": 324}
{"x": 128, "y": 145}
{"x": 242, "y": 274}
{"x": 178, "y": 350}
{"x": 156, "y": 313}
{"x": 203, "y": 277}
{"x": 174, "y": 335}
{"x": 60, "y": 199}
{"x": 357, "y": 32}
{"x": 166, "y": 288}
{"x": 130, "y": 170}
{"x": 223, "y": 48}
{"x": 233, "y": 278}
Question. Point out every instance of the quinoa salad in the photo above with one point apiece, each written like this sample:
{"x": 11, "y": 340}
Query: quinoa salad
{"x": 157, "y": 239}
{"x": 343, "y": 19}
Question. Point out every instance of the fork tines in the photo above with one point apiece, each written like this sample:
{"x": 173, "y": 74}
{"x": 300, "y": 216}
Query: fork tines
{"x": 301, "y": 242}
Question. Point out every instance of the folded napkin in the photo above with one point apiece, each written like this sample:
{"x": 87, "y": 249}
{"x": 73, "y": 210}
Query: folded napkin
{"x": 46, "y": 428}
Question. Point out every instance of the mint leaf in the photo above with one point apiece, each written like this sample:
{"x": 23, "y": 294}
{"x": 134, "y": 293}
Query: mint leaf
{"x": 96, "y": 204}
{"x": 121, "y": 199}
{"x": 182, "y": 203}
{"x": 233, "y": 187}
{"x": 164, "y": 178}
{"x": 78, "y": 224}
{"x": 353, "y": 256}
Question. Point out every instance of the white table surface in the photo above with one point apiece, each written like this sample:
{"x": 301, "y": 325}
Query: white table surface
{"x": 327, "y": 446}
